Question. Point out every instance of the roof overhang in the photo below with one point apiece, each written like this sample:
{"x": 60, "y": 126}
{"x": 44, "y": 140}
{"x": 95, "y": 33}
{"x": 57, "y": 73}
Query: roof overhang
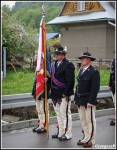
{"x": 107, "y": 14}
{"x": 91, "y": 16}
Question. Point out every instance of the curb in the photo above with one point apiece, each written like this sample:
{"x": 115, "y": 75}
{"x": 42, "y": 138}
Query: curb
{"x": 52, "y": 120}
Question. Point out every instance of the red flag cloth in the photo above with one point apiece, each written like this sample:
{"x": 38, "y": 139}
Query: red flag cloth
{"x": 40, "y": 61}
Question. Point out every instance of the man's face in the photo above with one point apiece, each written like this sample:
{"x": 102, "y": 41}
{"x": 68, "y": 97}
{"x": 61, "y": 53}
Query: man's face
{"x": 59, "y": 56}
{"x": 85, "y": 61}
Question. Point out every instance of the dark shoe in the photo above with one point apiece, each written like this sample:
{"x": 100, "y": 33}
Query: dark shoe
{"x": 80, "y": 143}
{"x": 63, "y": 138}
{"x": 34, "y": 130}
{"x": 42, "y": 130}
{"x": 112, "y": 123}
{"x": 89, "y": 144}
{"x": 55, "y": 135}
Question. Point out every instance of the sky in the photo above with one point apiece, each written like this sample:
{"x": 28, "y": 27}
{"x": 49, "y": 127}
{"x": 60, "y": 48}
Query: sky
{"x": 10, "y": 3}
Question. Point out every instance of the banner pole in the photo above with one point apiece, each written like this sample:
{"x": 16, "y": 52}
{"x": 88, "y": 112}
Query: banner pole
{"x": 45, "y": 75}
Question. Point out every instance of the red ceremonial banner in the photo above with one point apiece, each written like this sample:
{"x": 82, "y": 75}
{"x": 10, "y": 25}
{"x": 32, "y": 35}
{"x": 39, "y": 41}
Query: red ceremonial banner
{"x": 40, "y": 61}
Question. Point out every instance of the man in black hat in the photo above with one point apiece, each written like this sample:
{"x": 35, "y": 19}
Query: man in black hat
{"x": 112, "y": 85}
{"x": 63, "y": 78}
{"x": 87, "y": 88}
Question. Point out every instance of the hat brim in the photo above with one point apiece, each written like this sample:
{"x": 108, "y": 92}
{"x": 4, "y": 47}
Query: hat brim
{"x": 57, "y": 52}
{"x": 92, "y": 59}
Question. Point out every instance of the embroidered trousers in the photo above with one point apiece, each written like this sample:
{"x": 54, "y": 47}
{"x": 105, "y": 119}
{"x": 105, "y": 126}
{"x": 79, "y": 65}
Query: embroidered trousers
{"x": 40, "y": 107}
{"x": 88, "y": 120}
{"x": 64, "y": 117}
{"x": 114, "y": 99}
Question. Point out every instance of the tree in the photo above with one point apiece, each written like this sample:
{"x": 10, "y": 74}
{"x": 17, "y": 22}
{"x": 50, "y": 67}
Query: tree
{"x": 10, "y": 38}
{"x": 15, "y": 38}
{"x": 30, "y": 14}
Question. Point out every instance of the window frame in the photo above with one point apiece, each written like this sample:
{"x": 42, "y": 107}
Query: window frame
{"x": 81, "y": 6}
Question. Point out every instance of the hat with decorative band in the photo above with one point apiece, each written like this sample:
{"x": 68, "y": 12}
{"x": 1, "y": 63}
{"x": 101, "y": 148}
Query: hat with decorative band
{"x": 60, "y": 50}
{"x": 86, "y": 54}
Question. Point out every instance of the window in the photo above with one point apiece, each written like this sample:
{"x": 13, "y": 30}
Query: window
{"x": 81, "y": 5}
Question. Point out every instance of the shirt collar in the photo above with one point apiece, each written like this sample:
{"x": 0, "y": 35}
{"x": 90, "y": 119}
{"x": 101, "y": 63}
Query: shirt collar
{"x": 84, "y": 68}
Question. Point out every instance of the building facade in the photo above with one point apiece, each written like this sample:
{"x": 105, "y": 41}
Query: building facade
{"x": 87, "y": 26}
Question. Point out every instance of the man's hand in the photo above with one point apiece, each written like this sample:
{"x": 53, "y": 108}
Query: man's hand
{"x": 74, "y": 102}
{"x": 43, "y": 99}
{"x": 45, "y": 80}
{"x": 89, "y": 105}
{"x": 110, "y": 88}
{"x": 64, "y": 96}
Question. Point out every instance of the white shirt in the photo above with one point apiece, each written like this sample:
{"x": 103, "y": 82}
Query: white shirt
{"x": 85, "y": 69}
{"x": 58, "y": 63}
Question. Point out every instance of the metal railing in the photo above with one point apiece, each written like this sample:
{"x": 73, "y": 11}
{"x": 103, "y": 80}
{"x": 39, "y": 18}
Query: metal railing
{"x": 23, "y": 100}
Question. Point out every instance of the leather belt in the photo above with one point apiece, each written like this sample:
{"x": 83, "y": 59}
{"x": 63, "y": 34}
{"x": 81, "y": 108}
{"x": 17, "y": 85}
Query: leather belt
{"x": 83, "y": 94}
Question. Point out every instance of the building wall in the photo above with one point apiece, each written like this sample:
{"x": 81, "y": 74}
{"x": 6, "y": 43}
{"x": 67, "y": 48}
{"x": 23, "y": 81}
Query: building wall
{"x": 98, "y": 38}
{"x": 110, "y": 41}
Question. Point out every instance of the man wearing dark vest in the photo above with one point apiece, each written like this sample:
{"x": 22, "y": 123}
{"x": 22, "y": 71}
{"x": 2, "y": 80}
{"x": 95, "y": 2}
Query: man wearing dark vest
{"x": 87, "y": 88}
{"x": 63, "y": 78}
{"x": 112, "y": 86}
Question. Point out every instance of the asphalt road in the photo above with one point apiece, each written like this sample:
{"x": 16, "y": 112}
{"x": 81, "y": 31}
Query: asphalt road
{"x": 26, "y": 139}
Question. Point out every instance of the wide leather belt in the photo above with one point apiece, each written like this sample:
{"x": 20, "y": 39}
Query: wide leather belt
{"x": 83, "y": 94}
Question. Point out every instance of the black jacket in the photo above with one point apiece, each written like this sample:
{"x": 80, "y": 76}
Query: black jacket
{"x": 112, "y": 76}
{"x": 88, "y": 82}
{"x": 65, "y": 74}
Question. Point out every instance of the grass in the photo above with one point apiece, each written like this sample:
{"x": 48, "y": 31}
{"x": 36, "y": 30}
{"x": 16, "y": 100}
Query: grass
{"x": 17, "y": 83}
{"x": 20, "y": 81}
{"x": 104, "y": 77}
{"x": 52, "y": 114}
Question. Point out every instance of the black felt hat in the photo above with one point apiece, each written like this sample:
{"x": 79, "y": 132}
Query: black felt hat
{"x": 60, "y": 50}
{"x": 86, "y": 54}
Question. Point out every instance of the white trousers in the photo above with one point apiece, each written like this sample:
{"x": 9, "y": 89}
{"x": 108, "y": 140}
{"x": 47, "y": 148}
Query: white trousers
{"x": 88, "y": 120}
{"x": 40, "y": 107}
{"x": 64, "y": 117}
{"x": 114, "y": 99}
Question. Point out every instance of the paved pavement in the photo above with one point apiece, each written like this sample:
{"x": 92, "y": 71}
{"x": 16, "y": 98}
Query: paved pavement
{"x": 26, "y": 139}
